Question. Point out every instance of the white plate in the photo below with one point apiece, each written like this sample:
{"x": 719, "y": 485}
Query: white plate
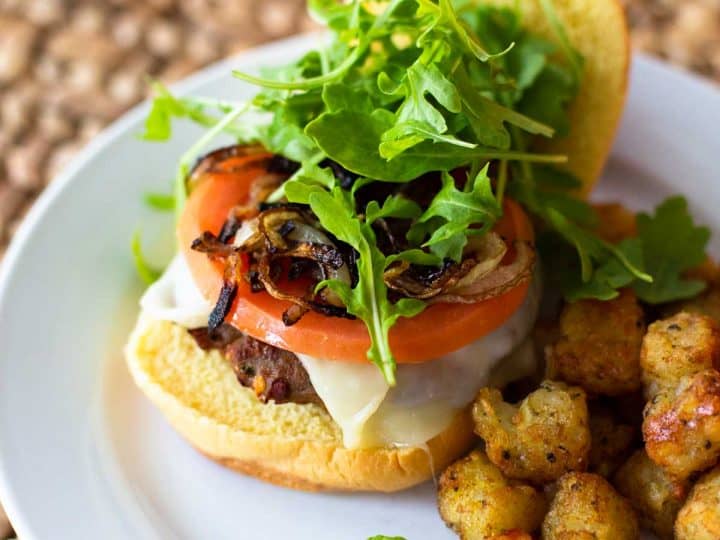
{"x": 85, "y": 456}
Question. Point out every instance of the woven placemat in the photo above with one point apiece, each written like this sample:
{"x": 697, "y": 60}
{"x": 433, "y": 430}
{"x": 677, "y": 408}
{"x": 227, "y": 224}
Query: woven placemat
{"x": 69, "y": 67}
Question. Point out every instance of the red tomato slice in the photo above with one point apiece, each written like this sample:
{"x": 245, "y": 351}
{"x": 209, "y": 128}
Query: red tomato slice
{"x": 439, "y": 330}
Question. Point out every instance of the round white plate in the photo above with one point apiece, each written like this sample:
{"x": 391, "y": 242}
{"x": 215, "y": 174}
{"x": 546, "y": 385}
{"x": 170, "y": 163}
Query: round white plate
{"x": 83, "y": 455}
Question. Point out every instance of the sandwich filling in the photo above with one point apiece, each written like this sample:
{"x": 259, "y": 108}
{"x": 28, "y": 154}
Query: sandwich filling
{"x": 369, "y": 412}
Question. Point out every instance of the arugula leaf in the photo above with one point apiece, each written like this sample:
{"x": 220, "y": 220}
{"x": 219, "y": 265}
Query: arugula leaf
{"x": 368, "y": 300}
{"x": 146, "y": 272}
{"x": 455, "y": 214}
{"x": 421, "y": 81}
{"x": 165, "y": 106}
{"x": 401, "y": 137}
{"x": 608, "y": 276}
{"x": 333, "y": 14}
{"x": 488, "y": 119}
{"x": 309, "y": 179}
{"x": 447, "y": 22}
{"x": 353, "y": 140}
{"x": 653, "y": 263}
{"x": 383, "y": 537}
{"x": 180, "y": 188}
{"x": 548, "y": 98}
{"x": 338, "y": 97}
{"x": 161, "y": 202}
{"x": 672, "y": 244}
{"x": 580, "y": 263}
{"x": 417, "y": 114}
{"x": 394, "y": 207}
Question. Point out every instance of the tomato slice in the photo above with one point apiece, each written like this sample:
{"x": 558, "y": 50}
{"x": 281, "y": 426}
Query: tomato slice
{"x": 439, "y": 330}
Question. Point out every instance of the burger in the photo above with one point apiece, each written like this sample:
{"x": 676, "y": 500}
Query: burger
{"x": 366, "y": 256}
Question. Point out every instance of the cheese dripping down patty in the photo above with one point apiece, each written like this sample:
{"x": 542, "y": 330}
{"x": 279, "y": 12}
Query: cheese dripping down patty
{"x": 370, "y": 413}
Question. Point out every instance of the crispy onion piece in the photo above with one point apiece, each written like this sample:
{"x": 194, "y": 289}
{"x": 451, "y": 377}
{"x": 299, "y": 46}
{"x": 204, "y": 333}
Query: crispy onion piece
{"x": 484, "y": 254}
{"x": 403, "y": 278}
{"x": 497, "y": 282}
{"x": 489, "y": 251}
{"x": 212, "y": 246}
{"x": 248, "y": 237}
{"x": 276, "y": 225}
{"x": 301, "y": 305}
{"x": 289, "y": 232}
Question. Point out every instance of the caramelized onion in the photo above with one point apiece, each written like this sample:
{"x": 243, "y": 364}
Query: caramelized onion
{"x": 483, "y": 255}
{"x": 488, "y": 252}
{"x": 286, "y": 231}
{"x": 497, "y": 282}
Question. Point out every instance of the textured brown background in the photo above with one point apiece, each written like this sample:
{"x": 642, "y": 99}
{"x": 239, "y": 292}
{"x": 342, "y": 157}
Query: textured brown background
{"x": 68, "y": 67}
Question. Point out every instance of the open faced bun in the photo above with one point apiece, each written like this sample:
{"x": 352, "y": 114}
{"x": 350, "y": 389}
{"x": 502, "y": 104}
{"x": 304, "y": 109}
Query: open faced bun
{"x": 298, "y": 446}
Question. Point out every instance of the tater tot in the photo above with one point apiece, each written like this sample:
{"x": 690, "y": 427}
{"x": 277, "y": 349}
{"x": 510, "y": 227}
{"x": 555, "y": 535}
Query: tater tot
{"x": 541, "y": 438}
{"x": 600, "y": 345}
{"x": 654, "y": 495}
{"x": 681, "y": 345}
{"x": 479, "y": 503}
{"x": 587, "y": 506}
{"x": 682, "y": 426}
{"x": 612, "y": 440}
{"x": 699, "y": 518}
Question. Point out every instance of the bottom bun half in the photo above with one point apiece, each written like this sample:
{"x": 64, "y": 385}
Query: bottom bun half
{"x": 292, "y": 445}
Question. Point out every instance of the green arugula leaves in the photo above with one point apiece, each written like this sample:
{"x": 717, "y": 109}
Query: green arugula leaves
{"x": 411, "y": 87}
{"x": 368, "y": 300}
{"x": 146, "y": 272}
{"x": 453, "y": 215}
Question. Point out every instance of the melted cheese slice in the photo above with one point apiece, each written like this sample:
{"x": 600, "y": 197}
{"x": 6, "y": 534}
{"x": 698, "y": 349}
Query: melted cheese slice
{"x": 176, "y": 298}
{"x": 369, "y": 412}
{"x": 352, "y": 394}
{"x": 428, "y": 395}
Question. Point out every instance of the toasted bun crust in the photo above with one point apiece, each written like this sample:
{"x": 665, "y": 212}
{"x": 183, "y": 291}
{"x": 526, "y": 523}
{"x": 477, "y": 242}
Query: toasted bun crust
{"x": 298, "y": 446}
{"x": 598, "y": 30}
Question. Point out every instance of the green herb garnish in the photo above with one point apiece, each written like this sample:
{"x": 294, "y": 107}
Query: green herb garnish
{"x": 368, "y": 300}
{"x": 453, "y": 215}
{"x": 410, "y": 87}
{"x": 162, "y": 202}
{"x": 671, "y": 244}
{"x": 146, "y": 272}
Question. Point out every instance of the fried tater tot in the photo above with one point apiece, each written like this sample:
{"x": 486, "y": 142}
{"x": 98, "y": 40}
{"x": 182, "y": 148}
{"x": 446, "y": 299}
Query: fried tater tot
{"x": 699, "y": 518}
{"x": 600, "y": 345}
{"x": 682, "y": 426}
{"x": 612, "y": 440}
{"x": 479, "y": 503}
{"x": 587, "y": 506}
{"x": 654, "y": 495}
{"x": 681, "y": 345}
{"x": 541, "y": 438}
